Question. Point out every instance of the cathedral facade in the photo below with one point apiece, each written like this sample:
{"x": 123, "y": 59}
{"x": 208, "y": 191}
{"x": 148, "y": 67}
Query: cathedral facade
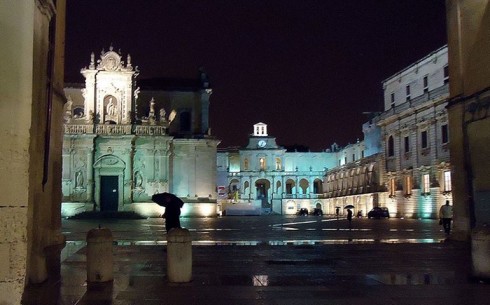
{"x": 126, "y": 140}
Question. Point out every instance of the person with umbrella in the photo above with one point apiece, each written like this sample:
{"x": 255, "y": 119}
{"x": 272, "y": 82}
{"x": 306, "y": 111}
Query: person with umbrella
{"x": 172, "y": 206}
{"x": 349, "y": 213}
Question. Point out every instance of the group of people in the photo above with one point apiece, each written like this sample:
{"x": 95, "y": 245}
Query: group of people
{"x": 445, "y": 216}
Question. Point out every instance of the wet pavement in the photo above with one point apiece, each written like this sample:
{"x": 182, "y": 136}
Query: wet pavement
{"x": 273, "y": 260}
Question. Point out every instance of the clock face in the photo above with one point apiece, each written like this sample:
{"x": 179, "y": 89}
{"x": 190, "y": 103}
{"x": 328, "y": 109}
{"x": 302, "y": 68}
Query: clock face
{"x": 262, "y": 143}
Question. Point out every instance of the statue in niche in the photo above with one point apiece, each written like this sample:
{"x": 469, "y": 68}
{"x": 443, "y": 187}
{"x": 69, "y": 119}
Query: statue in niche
{"x": 111, "y": 108}
{"x": 138, "y": 180}
{"x": 79, "y": 179}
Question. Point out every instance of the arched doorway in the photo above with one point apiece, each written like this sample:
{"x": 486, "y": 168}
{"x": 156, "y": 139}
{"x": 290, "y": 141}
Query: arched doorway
{"x": 262, "y": 187}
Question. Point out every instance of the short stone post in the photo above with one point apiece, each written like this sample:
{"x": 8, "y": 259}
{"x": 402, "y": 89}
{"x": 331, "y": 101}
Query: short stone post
{"x": 99, "y": 256}
{"x": 179, "y": 256}
{"x": 480, "y": 252}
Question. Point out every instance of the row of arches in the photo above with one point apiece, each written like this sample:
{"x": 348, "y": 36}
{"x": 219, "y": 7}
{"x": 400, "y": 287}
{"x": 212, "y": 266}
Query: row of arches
{"x": 265, "y": 188}
{"x": 352, "y": 181}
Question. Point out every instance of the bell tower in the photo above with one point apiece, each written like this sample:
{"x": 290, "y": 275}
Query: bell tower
{"x": 108, "y": 92}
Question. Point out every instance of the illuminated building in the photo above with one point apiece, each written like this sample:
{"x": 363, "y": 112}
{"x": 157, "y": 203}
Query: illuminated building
{"x": 264, "y": 177}
{"x": 406, "y": 166}
{"x": 126, "y": 140}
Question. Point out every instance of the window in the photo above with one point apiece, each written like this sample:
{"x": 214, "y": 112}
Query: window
{"x": 407, "y": 88}
{"x": 245, "y": 164}
{"x": 345, "y": 160}
{"x": 278, "y": 164}
{"x": 262, "y": 163}
{"x": 392, "y": 96}
{"x": 426, "y": 183}
{"x": 447, "y": 181}
{"x": 391, "y": 147}
{"x": 408, "y": 185}
{"x": 444, "y": 134}
{"x": 426, "y": 84}
{"x": 446, "y": 74}
{"x": 406, "y": 145}
{"x": 423, "y": 139}
{"x": 392, "y": 187}
{"x": 353, "y": 157}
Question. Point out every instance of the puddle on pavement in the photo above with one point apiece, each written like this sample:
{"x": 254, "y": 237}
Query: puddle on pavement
{"x": 74, "y": 246}
{"x": 443, "y": 278}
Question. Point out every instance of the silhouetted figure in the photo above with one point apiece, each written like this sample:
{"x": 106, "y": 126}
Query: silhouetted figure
{"x": 446, "y": 215}
{"x": 171, "y": 215}
{"x": 337, "y": 212}
{"x": 172, "y": 206}
{"x": 349, "y": 216}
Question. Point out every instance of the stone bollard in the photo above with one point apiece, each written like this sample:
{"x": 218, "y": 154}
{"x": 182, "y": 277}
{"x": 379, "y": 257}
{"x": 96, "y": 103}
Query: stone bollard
{"x": 480, "y": 252}
{"x": 179, "y": 256}
{"x": 99, "y": 256}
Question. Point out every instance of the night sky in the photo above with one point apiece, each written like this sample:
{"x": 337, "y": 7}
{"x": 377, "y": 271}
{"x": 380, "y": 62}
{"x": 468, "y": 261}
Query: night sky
{"x": 308, "y": 69}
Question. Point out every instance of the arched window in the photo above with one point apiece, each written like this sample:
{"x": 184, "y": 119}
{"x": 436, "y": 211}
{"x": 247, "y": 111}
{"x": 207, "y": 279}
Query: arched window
{"x": 245, "y": 164}
{"x": 391, "y": 147}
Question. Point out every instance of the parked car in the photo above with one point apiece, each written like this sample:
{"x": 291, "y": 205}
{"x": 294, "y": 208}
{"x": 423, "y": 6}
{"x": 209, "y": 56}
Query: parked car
{"x": 379, "y": 212}
{"x": 303, "y": 212}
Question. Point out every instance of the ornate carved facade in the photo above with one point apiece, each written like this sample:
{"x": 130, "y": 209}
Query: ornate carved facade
{"x": 123, "y": 144}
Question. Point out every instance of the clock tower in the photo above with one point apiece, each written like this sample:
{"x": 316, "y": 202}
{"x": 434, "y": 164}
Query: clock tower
{"x": 260, "y": 139}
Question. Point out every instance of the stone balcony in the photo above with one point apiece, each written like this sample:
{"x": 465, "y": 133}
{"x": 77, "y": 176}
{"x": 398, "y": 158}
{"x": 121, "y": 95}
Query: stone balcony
{"x": 105, "y": 129}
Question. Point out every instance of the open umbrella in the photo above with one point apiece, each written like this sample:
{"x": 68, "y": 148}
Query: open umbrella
{"x": 350, "y": 206}
{"x": 166, "y": 199}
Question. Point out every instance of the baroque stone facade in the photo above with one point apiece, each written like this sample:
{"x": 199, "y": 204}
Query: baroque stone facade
{"x": 126, "y": 140}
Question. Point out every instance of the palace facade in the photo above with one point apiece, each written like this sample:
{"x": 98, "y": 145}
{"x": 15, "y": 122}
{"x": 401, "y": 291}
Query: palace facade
{"x": 402, "y": 163}
{"x": 407, "y": 166}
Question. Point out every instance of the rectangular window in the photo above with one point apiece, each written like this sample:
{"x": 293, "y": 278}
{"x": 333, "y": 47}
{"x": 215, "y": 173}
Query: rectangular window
{"x": 408, "y": 92}
{"x": 345, "y": 160}
{"x": 426, "y": 84}
{"x": 423, "y": 139}
{"x": 392, "y": 96}
{"x": 447, "y": 181}
{"x": 362, "y": 154}
{"x": 444, "y": 134}
{"x": 407, "y": 144}
{"x": 392, "y": 187}
{"x": 408, "y": 185}
{"x": 446, "y": 74}
{"x": 426, "y": 183}
{"x": 353, "y": 157}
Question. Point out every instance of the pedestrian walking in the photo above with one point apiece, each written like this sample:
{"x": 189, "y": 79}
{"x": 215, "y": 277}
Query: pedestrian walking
{"x": 446, "y": 215}
{"x": 172, "y": 205}
{"x": 349, "y": 216}
{"x": 337, "y": 212}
